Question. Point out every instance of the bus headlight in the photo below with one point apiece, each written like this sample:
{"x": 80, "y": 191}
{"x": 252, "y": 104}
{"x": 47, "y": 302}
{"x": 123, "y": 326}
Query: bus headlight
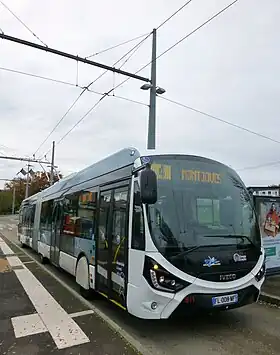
{"x": 261, "y": 273}
{"x": 161, "y": 279}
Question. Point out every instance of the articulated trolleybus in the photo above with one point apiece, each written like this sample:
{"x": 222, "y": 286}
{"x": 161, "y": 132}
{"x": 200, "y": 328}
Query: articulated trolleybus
{"x": 155, "y": 234}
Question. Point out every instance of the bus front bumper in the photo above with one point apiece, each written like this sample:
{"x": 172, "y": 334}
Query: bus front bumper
{"x": 145, "y": 302}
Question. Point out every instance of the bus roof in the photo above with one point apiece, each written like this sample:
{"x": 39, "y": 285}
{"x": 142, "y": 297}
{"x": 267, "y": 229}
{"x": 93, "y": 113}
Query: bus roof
{"x": 122, "y": 158}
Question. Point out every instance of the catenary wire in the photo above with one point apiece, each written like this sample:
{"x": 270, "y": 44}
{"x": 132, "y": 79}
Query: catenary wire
{"x": 175, "y": 13}
{"x": 259, "y": 166}
{"x": 150, "y": 62}
{"x": 221, "y": 120}
{"x": 81, "y": 119}
{"x": 196, "y": 29}
{"x": 114, "y": 88}
{"x": 133, "y": 51}
{"x": 44, "y": 78}
{"x": 116, "y": 46}
{"x": 34, "y": 34}
{"x": 181, "y": 40}
{"x": 60, "y": 120}
{"x": 74, "y": 103}
{"x": 88, "y": 112}
{"x": 137, "y": 46}
{"x": 69, "y": 84}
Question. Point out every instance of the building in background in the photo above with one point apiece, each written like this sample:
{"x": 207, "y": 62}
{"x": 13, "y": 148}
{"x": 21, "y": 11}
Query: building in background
{"x": 271, "y": 191}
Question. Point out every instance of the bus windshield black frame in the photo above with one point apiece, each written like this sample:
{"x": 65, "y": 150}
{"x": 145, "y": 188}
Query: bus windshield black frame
{"x": 200, "y": 203}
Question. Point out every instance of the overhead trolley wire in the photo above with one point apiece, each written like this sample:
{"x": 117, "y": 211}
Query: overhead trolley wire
{"x": 196, "y": 29}
{"x": 69, "y": 84}
{"x": 175, "y": 13}
{"x": 44, "y": 78}
{"x": 221, "y": 120}
{"x": 138, "y": 37}
{"x": 132, "y": 51}
{"x": 136, "y": 47}
{"x": 185, "y": 37}
{"x": 116, "y": 46}
{"x": 181, "y": 40}
{"x": 28, "y": 29}
{"x": 260, "y": 166}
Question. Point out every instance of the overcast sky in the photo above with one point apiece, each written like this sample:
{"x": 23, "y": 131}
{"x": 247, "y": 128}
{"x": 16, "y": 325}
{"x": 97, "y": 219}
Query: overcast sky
{"x": 230, "y": 68}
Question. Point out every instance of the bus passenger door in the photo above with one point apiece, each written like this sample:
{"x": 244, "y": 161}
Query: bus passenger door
{"x": 119, "y": 246}
{"x": 56, "y": 230}
{"x": 103, "y": 253}
{"x": 111, "y": 275}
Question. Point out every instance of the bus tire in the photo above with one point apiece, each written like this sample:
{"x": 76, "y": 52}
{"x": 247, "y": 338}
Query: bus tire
{"x": 85, "y": 293}
{"x": 43, "y": 260}
{"x": 22, "y": 245}
{"x": 82, "y": 276}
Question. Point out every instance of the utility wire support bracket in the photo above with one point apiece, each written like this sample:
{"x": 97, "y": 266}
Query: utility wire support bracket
{"x": 72, "y": 56}
{"x": 25, "y": 159}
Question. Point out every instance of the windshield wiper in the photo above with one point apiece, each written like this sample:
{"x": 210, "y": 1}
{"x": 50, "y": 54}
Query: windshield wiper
{"x": 185, "y": 252}
{"x": 240, "y": 236}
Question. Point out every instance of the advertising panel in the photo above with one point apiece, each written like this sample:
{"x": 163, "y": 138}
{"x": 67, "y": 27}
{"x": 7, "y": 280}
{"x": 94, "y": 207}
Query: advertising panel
{"x": 269, "y": 218}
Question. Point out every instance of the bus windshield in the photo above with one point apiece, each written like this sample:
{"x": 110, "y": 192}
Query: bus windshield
{"x": 200, "y": 203}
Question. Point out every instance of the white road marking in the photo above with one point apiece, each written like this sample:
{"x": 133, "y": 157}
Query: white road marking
{"x": 29, "y": 262}
{"x": 81, "y": 313}
{"x": 5, "y": 248}
{"x": 32, "y": 323}
{"x": 63, "y": 329}
{"x": 14, "y": 261}
{"x": 28, "y": 325}
{"x": 110, "y": 322}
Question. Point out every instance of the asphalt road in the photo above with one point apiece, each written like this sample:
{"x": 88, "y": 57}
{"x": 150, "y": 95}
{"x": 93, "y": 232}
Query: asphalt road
{"x": 249, "y": 330}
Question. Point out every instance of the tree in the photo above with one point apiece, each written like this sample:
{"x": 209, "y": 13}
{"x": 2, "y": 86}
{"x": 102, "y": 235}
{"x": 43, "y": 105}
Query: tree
{"x": 6, "y": 197}
{"x": 38, "y": 181}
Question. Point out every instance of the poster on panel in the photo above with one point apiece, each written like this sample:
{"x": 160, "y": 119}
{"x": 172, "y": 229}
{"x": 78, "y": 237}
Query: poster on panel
{"x": 269, "y": 219}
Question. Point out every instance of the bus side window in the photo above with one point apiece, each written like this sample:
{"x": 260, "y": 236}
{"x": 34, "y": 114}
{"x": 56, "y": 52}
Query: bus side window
{"x": 86, "y": 215}
{"x": 138, "y": 233}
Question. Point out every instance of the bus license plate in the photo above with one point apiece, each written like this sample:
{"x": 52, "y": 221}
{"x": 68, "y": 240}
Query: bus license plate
{"x": 227, "y": 299}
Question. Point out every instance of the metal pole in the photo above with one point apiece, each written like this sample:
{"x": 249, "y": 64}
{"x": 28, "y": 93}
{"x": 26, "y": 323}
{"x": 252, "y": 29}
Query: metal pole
{"x": 25, "y": 159}
{"x": 14, "y": 200}
{"x": 76, "y": 58}
{"x": 27, "y": 181}
{"x": 52, "y": 164}
{"x": 153, "y": 94}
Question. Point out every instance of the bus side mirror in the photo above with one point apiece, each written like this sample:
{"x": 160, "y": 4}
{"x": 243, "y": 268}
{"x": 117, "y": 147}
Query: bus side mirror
{"x": 148, "y": 186}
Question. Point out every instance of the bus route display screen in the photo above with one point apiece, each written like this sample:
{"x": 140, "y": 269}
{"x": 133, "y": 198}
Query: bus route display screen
{"x": 186, "y": 169}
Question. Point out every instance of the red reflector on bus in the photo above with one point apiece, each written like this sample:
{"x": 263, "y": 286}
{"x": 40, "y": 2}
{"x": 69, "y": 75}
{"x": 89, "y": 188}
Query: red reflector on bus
{"x": 189, "y": 300}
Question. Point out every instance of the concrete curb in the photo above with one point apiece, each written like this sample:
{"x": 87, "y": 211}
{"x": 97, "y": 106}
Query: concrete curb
{"x": 111, "y": 323}
{"x": 265, "y": 297}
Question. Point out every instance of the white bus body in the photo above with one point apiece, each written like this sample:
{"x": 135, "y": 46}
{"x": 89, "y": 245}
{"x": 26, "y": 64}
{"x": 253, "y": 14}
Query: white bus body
{"x": 197, "y": 247}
